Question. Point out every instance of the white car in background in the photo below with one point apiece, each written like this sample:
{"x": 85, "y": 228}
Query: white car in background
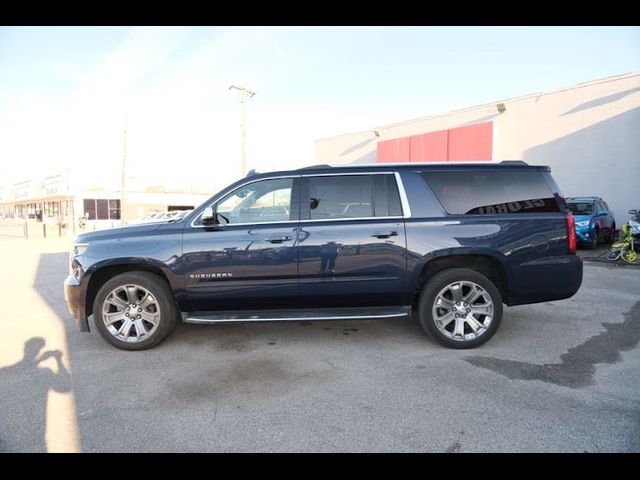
{"x": 151, "y": 217}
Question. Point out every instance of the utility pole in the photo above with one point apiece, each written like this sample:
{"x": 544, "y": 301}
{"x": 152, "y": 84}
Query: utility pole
{"x": 124, "y": 163}
{"x": 244, "y": 94}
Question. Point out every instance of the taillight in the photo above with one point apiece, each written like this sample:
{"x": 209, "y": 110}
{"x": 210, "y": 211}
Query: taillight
{"x": 571, "y": 233}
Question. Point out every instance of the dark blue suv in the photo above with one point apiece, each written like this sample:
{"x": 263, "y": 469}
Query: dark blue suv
{"x": 451, "y": 242}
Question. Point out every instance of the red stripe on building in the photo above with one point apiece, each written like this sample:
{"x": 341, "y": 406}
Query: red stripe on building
{"x": 429, "y": 147}
{"x": 472, "y": 142}
{"x": 396, "y": 150}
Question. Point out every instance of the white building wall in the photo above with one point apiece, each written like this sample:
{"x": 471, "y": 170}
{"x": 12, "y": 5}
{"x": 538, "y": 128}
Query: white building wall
{"x": 589, "y": 134}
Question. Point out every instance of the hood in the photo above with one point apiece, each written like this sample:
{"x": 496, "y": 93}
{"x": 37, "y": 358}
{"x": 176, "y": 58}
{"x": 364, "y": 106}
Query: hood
{"x": 582, "y": 218}
{"x": 119, "y": 232}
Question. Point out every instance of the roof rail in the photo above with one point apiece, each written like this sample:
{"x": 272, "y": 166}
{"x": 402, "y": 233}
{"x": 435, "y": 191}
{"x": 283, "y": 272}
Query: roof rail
{"x": 513, "y": 162}
{"x": 324, "y": 165}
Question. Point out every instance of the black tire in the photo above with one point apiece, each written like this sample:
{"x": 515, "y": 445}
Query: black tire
{"x": 593, "y": 244}
{"x": 436, "y": 284}
{"x": 158, "y": 288}
{"x": 612, "y": 233}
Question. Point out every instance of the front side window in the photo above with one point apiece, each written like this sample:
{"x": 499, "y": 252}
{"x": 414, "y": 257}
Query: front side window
{"x": 258, "y": 202}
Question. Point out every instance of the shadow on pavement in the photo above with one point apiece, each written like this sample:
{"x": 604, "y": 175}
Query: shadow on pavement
{"x": 24, "y": 394}
{"x": 577, "y": 367}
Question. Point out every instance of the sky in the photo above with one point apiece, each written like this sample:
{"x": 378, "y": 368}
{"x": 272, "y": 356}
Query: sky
{"x": 64, "y": 91}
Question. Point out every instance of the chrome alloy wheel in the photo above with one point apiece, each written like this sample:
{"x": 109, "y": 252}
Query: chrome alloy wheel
{"x": 463, "y": 311}
{"x": 130, "y": 313}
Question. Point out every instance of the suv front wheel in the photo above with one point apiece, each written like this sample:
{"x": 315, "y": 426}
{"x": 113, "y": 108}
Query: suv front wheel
{"x": 134, "y": 311}
{"x": 460, "y": 308}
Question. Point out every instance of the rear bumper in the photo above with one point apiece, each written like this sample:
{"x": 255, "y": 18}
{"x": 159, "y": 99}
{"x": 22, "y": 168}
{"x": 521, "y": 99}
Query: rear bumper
{"x": 75, "y": 302}
{"x": 545, "y": 279}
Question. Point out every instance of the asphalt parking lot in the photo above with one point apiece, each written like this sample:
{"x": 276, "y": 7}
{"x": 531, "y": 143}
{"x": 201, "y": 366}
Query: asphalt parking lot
{"x": 557, "y": 377}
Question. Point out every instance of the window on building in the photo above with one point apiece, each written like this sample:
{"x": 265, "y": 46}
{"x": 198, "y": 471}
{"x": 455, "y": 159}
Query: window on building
{"x": 90, "y": 208}
{"x": 114, "y": 209}
{"x": 52, "y": 209}
{"x": 102, "y": 209}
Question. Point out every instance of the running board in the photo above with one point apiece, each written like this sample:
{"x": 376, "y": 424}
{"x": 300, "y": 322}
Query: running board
{"x": 293, "y": 315}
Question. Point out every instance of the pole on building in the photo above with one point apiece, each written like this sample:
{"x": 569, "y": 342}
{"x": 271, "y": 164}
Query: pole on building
{"x": 244, "y": 95}
{"x": 124, "y": 164}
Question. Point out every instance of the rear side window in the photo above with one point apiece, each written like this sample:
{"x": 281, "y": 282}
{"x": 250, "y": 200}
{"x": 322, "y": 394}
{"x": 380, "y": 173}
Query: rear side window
{"x": 352, "y": 196}
{"x": 386, "y": 199}
{"x": 492, "y": 192}
{"x": 347, "y": 196}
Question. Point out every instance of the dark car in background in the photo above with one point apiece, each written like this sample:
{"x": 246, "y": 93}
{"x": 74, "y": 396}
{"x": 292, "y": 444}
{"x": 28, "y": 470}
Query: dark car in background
{"x": 595, "y": 222}
{"x": 450, "y": 242}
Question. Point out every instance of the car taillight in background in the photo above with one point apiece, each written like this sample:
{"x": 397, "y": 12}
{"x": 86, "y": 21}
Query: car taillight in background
{"x": 571, "y": 231}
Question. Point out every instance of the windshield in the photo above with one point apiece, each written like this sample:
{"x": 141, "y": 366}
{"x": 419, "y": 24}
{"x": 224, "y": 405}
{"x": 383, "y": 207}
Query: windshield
{"x": 580, "y": 208}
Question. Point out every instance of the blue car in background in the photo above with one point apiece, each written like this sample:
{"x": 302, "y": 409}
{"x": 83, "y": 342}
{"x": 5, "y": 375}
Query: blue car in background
{"x": 595, "y": 222}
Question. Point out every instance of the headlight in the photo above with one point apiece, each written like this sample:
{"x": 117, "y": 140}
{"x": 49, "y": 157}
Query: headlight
{"x": 584, "y": 223}
{"x": 77, "y": 249}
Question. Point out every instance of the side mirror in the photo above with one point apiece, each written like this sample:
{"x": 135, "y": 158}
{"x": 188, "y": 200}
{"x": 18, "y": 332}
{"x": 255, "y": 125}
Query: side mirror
{"x": 208, "y": 217}
{"x": 633, "y": 212}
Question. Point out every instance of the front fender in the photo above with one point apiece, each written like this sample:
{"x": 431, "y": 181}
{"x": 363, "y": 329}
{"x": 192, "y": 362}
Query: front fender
{"x": 98, "y": 273}
{"x": 146, "y": 263}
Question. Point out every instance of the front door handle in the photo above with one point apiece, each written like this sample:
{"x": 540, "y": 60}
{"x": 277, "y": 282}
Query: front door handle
{"x": 384, "y": 234}
{"x": 277, "y": 238}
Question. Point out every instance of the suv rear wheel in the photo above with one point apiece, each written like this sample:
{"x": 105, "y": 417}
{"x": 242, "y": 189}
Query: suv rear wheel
{"x": 134, "y": 311}
{"x": 460, "y": 308}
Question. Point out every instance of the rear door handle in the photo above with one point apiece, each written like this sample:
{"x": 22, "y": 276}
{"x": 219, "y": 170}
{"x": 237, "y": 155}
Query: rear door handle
{"x": 277, "y": 238}
{"x": 384, "y": 234}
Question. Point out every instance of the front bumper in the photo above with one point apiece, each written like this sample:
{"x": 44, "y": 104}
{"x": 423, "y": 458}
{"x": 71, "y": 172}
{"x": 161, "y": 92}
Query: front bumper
{"x": 585, "y": 236}
{"x": 75, "y": 302}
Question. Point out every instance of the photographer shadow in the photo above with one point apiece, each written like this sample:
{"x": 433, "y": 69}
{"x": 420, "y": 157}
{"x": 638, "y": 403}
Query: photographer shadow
{"x": 24, "y": 390}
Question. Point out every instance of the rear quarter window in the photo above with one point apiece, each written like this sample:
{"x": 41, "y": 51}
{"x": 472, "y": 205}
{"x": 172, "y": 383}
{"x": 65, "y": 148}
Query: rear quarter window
{"x": 492, "y": 192}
